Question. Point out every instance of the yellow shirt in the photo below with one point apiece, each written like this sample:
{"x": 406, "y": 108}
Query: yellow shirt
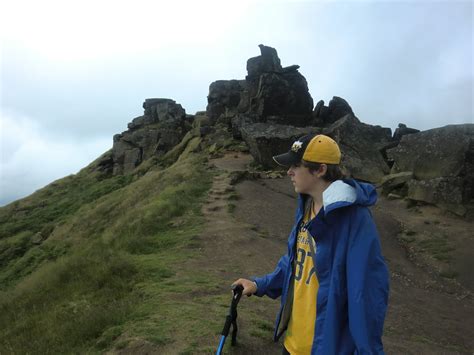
{"x": 300, "y": 332}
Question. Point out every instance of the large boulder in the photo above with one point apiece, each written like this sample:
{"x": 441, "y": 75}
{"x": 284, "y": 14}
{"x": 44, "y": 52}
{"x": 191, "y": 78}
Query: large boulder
{"x": 162, "y": 126}
{"x": 276, "y": 91}
{"x": 403, "y": 130}
{"x": 392, "y": 182}
{"x": 442, "y": 162}
{"x": 434, "y": 153}
{"x": 326, "y": 115}
{"x": 267, "y": 140}
{"x": 163, "y": 110}
{"x": 269, "y": 90}
{"x": 224, "y": 97}
{"x": 283, "y": 94}
{"x": 445, "y": 192}
{"x": 266, "y": 62}
{"x": 360, "y": 144}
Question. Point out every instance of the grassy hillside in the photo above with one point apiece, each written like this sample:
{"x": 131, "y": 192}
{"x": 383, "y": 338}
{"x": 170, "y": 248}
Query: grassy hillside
{"x": 89, "y": 262}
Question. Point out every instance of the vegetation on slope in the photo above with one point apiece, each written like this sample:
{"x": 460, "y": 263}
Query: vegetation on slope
{"x": 88, "y": 262}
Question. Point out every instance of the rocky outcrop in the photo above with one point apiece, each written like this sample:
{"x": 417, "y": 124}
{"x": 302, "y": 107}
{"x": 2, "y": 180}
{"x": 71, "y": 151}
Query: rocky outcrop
{"x": 272, "y": 107}
{"x": 396, "y": 183}
{"x": 326, "y": 115}
{"x": 283, "y": 94}
{"x": 442, "y": 163}
{"x": 435, "y": 152}
{"x": 445, "y": 192}
{"x": 224, "y": 98}
{"x": 361, "y": 144}
{"x": 162, "y": 127}
{"x": 266, "y": 141}
{"x": 403, "y": 130}
{"x": 268, "y": 90}
{"x": 266, "y": 62}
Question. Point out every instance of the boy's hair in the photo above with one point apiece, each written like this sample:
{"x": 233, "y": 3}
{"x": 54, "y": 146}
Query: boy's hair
{"x": 333, "y": 171}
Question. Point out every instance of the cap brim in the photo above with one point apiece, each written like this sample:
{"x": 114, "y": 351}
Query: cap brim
{"x": 287, "y": 159}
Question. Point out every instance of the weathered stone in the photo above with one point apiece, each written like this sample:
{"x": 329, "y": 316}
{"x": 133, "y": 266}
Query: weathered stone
{"x": 173, "y": 154}
{"x": 446, "y": 192}
{"x": 161, "y": 127}
{"x": 268, "y": 90}
{"x": 326, "y": 115}
{"x": 201, "y": 125}
{"x": 37, "y": 238}
{"x": 157, "y": 110}
{"x": 240, "y": 120}
{"x": 390, "y": 182}
{"x": 290, "y": 68}
{"x": 392, "y": 196}
{"x": 442, "y": 161}
{"x": 126, "y": 157}
{"x": 224, "y": 97}
{"x": 105, "y": 163}
{"x": 403, "y": 130}
{"x": 267, "y": 140}
{"x": 266, "y": 62}
{"x": 360, "y": 144}
{"x": 283, "y": 95}
{"x": 136, "y": 123}
{"x": 318, "y": 107}
{"x": 439, "y": 152}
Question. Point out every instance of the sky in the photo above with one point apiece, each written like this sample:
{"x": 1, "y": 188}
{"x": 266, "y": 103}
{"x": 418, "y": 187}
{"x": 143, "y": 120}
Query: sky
{"x": 74, "y": 73}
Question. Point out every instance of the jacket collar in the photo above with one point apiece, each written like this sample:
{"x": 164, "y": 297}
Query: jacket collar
{"x": 337, "y": 195}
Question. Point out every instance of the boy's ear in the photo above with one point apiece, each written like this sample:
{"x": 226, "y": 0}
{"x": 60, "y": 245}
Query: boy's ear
{"x": 323, "y": 168}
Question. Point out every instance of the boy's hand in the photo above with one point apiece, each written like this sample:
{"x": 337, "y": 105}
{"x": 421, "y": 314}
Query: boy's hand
{"x": 250, "y": 287}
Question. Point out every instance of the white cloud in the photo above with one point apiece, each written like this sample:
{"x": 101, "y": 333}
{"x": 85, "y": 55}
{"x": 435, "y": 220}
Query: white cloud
{"x": 31, "y": 159}
{"x": 88, "y": 30}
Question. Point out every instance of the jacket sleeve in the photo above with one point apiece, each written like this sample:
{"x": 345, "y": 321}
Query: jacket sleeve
{"x": 272, "y": 283}
{"x": 367, "y": 284}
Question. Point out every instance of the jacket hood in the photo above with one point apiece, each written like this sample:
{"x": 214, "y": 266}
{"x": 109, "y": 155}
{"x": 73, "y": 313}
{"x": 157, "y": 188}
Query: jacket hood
{"x": 346, "y": 192}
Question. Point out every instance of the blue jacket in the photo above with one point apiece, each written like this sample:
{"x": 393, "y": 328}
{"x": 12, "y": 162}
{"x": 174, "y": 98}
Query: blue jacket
{"x": 353, "y": 278}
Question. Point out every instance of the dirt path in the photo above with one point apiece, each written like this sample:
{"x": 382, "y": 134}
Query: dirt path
{"x": 428, "y": 314}
{"x": 246, "y": 233}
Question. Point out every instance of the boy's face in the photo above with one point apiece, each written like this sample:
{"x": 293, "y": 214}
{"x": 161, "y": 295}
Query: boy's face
{"x": 302, "y": 179}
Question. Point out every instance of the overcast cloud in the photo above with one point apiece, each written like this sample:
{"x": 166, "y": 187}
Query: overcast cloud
{"x": 73, "y": 74}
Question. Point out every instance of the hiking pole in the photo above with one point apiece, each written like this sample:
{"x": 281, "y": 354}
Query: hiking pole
{"x": 231, "y": 319}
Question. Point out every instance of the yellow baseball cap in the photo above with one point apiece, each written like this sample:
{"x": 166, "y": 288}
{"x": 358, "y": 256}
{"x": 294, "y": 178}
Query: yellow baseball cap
{"x": 313, "y": 148}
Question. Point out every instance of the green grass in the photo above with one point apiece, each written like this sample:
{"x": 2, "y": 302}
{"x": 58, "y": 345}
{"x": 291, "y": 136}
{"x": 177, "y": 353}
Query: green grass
{"x": 54, "y": 203}
{"x": 233, "y": 196}
{"x": 259, "y": 328}
{"x": 111, "y": 268}
{"x": 449, "y": 274}
{"x": 438, "y": 247}
{"x": 66, "y": 304}
{"x": 231, "y": 207}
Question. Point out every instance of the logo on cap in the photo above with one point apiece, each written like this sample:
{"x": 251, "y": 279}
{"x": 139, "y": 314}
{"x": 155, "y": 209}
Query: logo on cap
{"x": 296, "y": 146}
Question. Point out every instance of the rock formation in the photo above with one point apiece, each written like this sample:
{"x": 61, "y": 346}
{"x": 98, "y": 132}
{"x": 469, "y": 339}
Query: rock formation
{"x": 162, "y": 127}
{"x": 403, "y": 130}
{"x": 325, "y": 115}
{"x": 272, "y": 107}
{"x": 361, "y": 144}
{"x": 442, "y": 163}
{"x": 268, "y": 90}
